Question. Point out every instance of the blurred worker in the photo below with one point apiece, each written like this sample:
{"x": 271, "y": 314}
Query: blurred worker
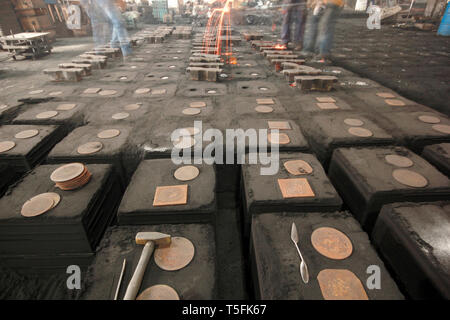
{"x": 320, "y": 25}
{"x": 293, "y": 10}
{"x": 106, "y": 10}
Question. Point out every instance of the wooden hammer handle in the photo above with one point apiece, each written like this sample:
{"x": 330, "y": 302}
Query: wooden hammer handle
{"x": 136, "y": 280}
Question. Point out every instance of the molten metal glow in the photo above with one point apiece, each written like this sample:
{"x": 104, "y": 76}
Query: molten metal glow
{"x": 219, "y": 24}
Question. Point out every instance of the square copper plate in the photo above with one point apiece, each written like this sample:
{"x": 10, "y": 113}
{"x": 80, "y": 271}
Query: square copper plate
{"x": 92, "y": 90}
{"x": 265, "y": 101}
{"x": 327, "y": 105}
{"x": 295, "y": 188}
{"x": 170, "y": 195}
{"x": 280, "y": 125}
{"x": 325, "y": 99}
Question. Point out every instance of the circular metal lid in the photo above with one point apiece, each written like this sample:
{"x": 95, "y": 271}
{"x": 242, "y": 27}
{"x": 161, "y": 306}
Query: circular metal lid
{"x": 175, "y": 257}
{"x": 394, "y": 102}
{"x": 90, "y": 147}
{"x": 189, "y": 131}
{"x": 37, "y": 206}
{"x": 107, "y": 92}
{"x": 108, "y": 134}
{"x": 67, "y": 172}
{"x": 410, "y": 178}
{"x": 340, "y": 284}
{"x": 283, "y": 138}
{"x": 132, "y": 107}
{"x": 353, "y": 122}
{"x": 66, "y": 106}
{"x": 398, "y": 161}
{"x": 263, "y": 109}
{"x": 159, "y": 292}
{"x": 191, "y": 111}
{"x": 443, "y": 128}
{"x": 46, "y": 114}
{"x": 26, "y": 134}
{"x": 142, "y": 90}
{"x": 184, "y": 142}
{"x": 197, "y": 104}
{"x": 331, "y": 243}
{"x": 360, "y": 132}
{"x": 298, "y": 167}
{"x": 120, "y": 115}
{"x": 385, "y": 95}
{"x": 6, "y": 145}
{"x": 186, "y": 173}
{"x": 429, "y": 119}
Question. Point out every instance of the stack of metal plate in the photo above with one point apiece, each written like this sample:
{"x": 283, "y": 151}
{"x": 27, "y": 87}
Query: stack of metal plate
{"x": 49, "y": 236}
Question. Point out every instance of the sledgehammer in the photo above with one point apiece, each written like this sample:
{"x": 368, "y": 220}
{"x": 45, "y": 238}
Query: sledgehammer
{"x": 149, "y": 240}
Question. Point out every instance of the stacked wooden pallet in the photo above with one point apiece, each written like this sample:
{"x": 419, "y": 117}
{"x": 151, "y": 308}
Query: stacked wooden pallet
{"x": 28, "y": 44}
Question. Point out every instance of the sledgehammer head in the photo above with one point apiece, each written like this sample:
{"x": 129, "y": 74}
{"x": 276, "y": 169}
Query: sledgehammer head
{"x": 161, "y": 240}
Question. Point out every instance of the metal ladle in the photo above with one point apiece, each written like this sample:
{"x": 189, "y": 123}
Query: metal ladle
{"x": 303, "y": 268}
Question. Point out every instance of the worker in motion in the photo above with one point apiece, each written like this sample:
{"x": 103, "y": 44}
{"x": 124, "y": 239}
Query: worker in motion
{"x": 293, "y": 11}
{"x": 108, "y": 25}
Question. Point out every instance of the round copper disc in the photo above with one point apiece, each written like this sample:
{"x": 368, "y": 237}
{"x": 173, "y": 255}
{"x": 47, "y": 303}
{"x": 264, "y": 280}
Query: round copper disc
{"x": 298, "y": 167}
{"x": 142, "y": 90}
{"x": 186, "y": 173}
{"x": 385, "y": 95}
{"x": 360, "y": 132}
{"x": 46, "y": 114}
{"x": 132, "y": 107}
{"x": 120, "y": 115}
{"x": 6, "y": 145}
{"x": 283, "y": 138}
{"x": 340, "y": 284}
{"x": 197, "y": 104}
{"x": 353, "y": 122}
{"x": 175, "y": 257}
{"x": 263, "y": 109}
{"x": 191, "y": 111}
{"x": 90, "y": 147}
{"x": 159, "y": 292}
{"x": 108, "y": 134}
{"x": 394, "y": 102}
{"x": 429, "y": 119}
{"x": 107, "y": 92}
{"x": 26, "y": 134}
{"x": 398, "y": 161}
{"x": 410, "y": 178}
{"x": 50, "y": 195}
{"x": 66, "y": 106}
{"x": 443, "y": 128}
{"x": 67, "y": 172}
{"x": 189, "y": 131}
{"x": 36, "y": 91}
{"x": 331, "y": 243}
{"x": 184, "y": 142}
{"x": 37, "y": 206}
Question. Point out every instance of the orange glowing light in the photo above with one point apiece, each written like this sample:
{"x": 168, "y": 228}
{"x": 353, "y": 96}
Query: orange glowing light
{"x": 219, "y": 24}
{"x": 280, "y": 46}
